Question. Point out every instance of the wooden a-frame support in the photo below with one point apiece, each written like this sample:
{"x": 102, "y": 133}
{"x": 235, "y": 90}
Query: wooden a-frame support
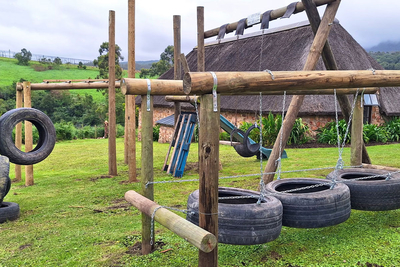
{"x": 317, "y": 46}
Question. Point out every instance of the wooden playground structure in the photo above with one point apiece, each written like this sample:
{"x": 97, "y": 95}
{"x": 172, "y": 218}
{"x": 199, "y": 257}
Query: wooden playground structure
{"x": 208, "y": 86}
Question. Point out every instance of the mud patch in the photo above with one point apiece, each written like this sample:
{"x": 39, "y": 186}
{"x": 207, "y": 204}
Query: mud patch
{"x": 136, "y": 249}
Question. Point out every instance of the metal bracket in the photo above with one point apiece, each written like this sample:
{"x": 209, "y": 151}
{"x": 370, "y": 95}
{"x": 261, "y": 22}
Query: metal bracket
{"x": 148, "y": 94}
{"x": 214, "y": 91}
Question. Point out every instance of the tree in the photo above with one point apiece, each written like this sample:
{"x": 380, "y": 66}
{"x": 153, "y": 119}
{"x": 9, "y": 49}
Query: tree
{"x": 165, "y": 63}
{"x": 57, "y": 61}
{"x": 102, "y": 61}
{"x": 23, "y": 57}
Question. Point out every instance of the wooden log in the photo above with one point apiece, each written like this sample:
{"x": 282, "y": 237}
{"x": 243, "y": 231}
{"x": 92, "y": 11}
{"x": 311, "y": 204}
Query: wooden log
{"x": 357, "y": 133}
{"x": 77, "y": 80}
{"x": 182, "y": 98}
{"x": 112, "y": 143}
{"x": 147, "y": 169}
{"x": 379, "y": 167}
{"x": 195, "y": 235}
{"x": 339, "y": 92}
{"x": 18, "y": 130}
{"x": 70, "y": 86}
{"x": 295, "y": 105}
{"x": 28, "y": 134}
{"x": 330, "y": 64}
{"x": 130, "y": 105}
{"x": 208, "y": 174}
{"x": 201, "y": 65}
{"x": 275, "y": 14}
{"x": 158, "y": 87}
{"x": 184, "y": 63}
{"x": 177, "y": 61}
{"x": 313, "y": 81}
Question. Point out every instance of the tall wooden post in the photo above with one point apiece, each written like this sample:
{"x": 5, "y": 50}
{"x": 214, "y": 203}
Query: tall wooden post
{"x": 295, "y": 105}
{"x": 330, "y": 64}
{"x": 130, "y": 106}
{"x": 177, "y": 61}
{"x": 28, "y": 133}
{"x": 112, "y": 146}
{"x": 357, "y": 133}
{"x": 18, "y": 130}
{"x": 200, "y": 40}
{"x": 147, "y": 168}
{"x": 208, "y": 174}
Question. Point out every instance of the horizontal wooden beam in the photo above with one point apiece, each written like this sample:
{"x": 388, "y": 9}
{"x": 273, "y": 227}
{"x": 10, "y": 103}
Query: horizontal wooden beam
{"x": 70, "y": 86}
{"x": 200, "y": 238}
{"x": 339, "y": 91}
{"x": 200, "y": 83}
{"x": 277, "y": 13}
{"x": 182, "y": 98}
{"x": 79, "y": 80}
{"x": 131, "y": 86}
{"x": 379, "y": 167}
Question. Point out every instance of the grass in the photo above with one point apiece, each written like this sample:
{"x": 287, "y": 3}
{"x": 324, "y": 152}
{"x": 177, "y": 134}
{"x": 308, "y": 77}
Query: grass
{"x": 11, "y": 72}
{"x": 75, "y": 215}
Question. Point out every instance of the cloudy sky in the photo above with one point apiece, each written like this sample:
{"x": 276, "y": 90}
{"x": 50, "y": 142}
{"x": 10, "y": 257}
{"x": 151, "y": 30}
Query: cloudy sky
{"x": 76, "y": 28}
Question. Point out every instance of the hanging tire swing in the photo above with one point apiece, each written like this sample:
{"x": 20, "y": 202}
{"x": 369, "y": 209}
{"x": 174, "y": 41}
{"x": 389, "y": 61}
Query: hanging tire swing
{"x": 246, "y": 148}
{"x": 315, "y": 207}
{"x": 378, "y": 193}
{"x": 242, "y": 221}
{"x": 46, "y": 130}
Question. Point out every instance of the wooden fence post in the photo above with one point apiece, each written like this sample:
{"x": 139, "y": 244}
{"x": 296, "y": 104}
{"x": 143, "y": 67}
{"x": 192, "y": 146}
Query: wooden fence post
{"x": 147, "y": 168}
{"x": 130, "y": 105}
{"x": 357, "y": 133}
{"x": 112, "y": 146}
{"x": 28, "y": 134}
{"x": 18, "y": 130}
{"x": 177, "y": 61}
{"x": 208, "y": 174}
{"x": 200, "y": 39}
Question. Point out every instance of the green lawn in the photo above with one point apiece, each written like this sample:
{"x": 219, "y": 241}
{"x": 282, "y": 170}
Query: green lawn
{"x": 76, "y": 215}
{"x": 10, "y": 72}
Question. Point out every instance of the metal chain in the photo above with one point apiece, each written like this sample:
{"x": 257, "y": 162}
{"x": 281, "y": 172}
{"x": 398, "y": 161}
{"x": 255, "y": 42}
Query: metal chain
{"x": 261, "y": 154}
{"x": 279, "y": 160}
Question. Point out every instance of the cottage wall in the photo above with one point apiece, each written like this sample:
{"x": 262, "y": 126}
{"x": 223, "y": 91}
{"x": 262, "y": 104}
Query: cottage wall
{"x": 313, "y": 122}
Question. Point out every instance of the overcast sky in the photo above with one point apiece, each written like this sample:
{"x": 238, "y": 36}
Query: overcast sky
{"x": 76, "y": 28}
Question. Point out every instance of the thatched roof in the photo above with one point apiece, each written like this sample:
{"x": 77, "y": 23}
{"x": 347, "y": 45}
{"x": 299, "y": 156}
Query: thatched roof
{"x": 284, "y": 49}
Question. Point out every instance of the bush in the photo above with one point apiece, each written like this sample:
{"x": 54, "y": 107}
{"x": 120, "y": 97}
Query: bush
{"x": 224, "y": 136}
{"x": 328, "y": 133}
{"x": 65, "y": 131}
{"x": 23, "y": 57}
{"x": 121, "y": 130}
{"x": 392, "y": 128}
{"x": 35, "y": 134}
{"x": 271, "y": 126}
{"x": 375, "y": 133}
{"x": 156, "y": 133}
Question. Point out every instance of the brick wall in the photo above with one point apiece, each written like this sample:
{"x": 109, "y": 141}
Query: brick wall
{"x": 313, "y": 122}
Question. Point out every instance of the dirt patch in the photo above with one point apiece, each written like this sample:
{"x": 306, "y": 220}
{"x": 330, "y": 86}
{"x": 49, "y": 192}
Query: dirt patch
{"x": 273, "y": 255}
{"x": 367, "y": 264}
{"x": 25, "y": 246}
{"x": 192, "y": 166}
{"x": 136, "y": 249}
{"x": 124, "y": 206}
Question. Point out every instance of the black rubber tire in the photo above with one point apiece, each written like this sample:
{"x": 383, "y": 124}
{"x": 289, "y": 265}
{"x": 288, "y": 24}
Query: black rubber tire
{"x": 5, "y": 182}
{"x": 47, "y": 136}
{"x": 311, "y": 208}
{"x": 376, "y": 194}
{"x": 246, "y": 149}
{"x": 242, "y": 221}
{"x": 9, "y": 211}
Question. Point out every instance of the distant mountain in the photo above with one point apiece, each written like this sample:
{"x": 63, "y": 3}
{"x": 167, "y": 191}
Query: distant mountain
{"x": 139, "y": 64}
{"x": 388, "y": 46}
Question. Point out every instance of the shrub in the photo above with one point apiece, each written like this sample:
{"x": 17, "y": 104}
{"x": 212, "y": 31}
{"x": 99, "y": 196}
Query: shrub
{"x": 156, "y": 132}
{"x": 328, "y": 133}
{"x": 224, "y": 136}
{"x": 392, "y": 128}
{"x": 65, "y": 131}
{"x": 121, "y": 130}
{"x": 375, "y": 133}
{"x": 299, "y": 133}
{"x": 35, "y": 134}
{"x": 23, "y": 57}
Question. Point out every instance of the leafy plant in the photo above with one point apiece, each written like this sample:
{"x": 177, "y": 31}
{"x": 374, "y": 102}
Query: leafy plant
{"x": 328, "y": 133}
{"x": 375, "y": 133}
{"x": 392, "y": 128}
{"x": 23, "y": 57}
{"x": 156, "y": 132}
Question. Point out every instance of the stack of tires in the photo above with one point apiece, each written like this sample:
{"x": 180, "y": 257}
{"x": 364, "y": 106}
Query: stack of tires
{"x": 10, "y": 153}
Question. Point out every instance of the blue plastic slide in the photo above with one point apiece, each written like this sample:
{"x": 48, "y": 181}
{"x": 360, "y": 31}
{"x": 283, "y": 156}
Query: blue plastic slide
{"x": 228, "y": 127}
